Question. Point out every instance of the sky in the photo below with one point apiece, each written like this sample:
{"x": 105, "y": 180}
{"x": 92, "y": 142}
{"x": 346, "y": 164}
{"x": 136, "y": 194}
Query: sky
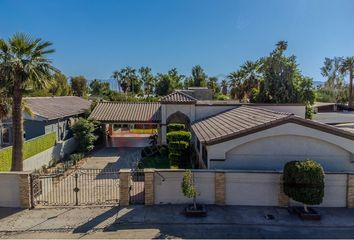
{"x": 95, "y": 37}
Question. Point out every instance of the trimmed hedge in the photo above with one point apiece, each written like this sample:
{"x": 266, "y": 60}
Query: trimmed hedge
{"x": 30, "y": 148}
{"x": 179, "y": 136}
{"x": 304, "y": 181}
{"x": 178, "y": 146}
{"x": 175, "y": 127}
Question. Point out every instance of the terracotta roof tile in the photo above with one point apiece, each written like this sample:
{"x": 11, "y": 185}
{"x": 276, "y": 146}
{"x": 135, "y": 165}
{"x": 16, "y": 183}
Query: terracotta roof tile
{"x": 178, "y": 97}
{"x": 57, "y": 107}
{"x": 127, "y": 112}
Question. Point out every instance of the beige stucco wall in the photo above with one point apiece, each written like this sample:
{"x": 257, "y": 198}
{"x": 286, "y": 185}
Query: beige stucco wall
{"x": 272, "y": 148}
{"x": 10, "y": 189}
{"x": 167, "y": 187}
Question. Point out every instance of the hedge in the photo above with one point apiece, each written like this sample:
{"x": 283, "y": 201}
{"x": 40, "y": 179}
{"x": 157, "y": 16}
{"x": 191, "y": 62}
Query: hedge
{"x": 175, "y": 127}
{"x": 179, "y": 146}
{"x": 179, "y": 136}
{"x": 304, "y": 181}
{"x": 30, "y": 148}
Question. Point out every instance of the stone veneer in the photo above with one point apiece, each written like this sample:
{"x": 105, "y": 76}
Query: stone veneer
{"x": 25, "y": 190}
{"x": 219, "y": 188}
{"x": 283, "y": 200}
{"x": 350, "y": 190}
{"x": 124, "y": 187}
{"x": 149, "y": 186}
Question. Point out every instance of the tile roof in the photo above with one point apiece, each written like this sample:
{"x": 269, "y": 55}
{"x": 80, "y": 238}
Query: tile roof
{"x": 57, "y": 107}
{"x": 178, "y": 97}
{"x": 245, "y": 120}
{"x": 233, "y": 122}
{"x": 127, "y": 112}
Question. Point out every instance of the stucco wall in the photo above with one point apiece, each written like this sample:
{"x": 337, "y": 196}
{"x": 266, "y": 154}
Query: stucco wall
{"x": 57, "y": 152}
{"x": 10, "y": 190}
{"x": 272, "y": 148}
{"x": 167, "y": 187}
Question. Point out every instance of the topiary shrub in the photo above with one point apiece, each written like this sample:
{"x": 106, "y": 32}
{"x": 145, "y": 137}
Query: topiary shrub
{"x": 304, "y": 182}
{"x": 179, "y": 136}
{"x": 175, "y": 127}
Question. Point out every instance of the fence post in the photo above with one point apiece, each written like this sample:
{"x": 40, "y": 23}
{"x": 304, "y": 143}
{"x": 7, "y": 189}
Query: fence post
{"x": 149, "y": 186}
{"x": 350, "y": 190}
{"x": 219, "y": 188}
{"x": 283, "y": 200}
{"x": 124, "y": 187}
{"x": 25, "y": 190}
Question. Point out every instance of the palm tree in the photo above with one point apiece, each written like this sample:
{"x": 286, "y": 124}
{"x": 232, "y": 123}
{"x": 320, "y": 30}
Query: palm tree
{"x": 23, "y": 65}
{"x": 199, "y": 77}
{"x": 117, "y": 76}
{"x": 224, "y": 87}
{"x": 347, "y": 66}
{"x": 251, "y": 76}
{"x": 235, "y": 82}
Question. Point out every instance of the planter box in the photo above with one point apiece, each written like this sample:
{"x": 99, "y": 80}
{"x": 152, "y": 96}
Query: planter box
{"x": 311, "y": 215}
{"x": 189, "y": 211}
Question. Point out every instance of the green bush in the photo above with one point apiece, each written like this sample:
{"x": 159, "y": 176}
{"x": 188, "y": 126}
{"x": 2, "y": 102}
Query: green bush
{"x": 304, "y": 181}
{"x": 75, "y": 157}
{"x": 222, "y": 97}
{"x": 83, "y": 131}
{"x": 309, "y": 112}
{"x": 179, "y": 146}
{"x": 179, "y": 136}
{"x": 30, "y": 148}
{"x": 175, "y": 127}
{"x": 174, "y": 158}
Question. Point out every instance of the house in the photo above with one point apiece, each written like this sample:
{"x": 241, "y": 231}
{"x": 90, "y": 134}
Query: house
{"x": 232, "y": 135}
{"x": 50, "y": 114}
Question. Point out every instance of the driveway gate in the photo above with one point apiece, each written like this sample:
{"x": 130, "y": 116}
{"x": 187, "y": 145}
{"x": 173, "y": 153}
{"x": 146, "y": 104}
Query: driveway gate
{"x": 75, "y": 187}
{"x": 137, "y": 187}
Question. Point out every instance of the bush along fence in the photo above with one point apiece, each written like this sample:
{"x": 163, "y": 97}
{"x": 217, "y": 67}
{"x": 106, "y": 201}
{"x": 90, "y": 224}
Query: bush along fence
{"x": 30, "y": 148}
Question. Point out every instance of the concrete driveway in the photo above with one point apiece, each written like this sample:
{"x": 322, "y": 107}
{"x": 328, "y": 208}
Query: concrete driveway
{"x": 113, "y": 158}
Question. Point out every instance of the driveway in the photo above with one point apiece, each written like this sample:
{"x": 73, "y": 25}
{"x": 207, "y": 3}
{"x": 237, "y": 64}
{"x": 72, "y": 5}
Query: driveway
{"x": 166, "y": 221}
{"x": 113, "y": 158}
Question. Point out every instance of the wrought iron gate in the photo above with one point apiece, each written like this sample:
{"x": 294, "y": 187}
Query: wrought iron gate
{"x": 137, "y": 187}
{"x": 76, "y": 187}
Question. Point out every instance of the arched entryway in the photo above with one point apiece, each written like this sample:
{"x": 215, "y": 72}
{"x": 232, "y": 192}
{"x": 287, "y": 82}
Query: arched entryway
{"x": 179, "y": 117}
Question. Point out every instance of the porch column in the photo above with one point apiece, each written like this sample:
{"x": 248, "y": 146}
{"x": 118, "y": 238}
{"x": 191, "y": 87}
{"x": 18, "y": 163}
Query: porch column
{"x": 163, "y": 134}
{"x": 110, "y": 129}
{"x": 124, "y": 187}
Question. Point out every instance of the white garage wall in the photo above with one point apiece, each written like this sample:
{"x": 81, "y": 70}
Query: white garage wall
{"x": 167, "y": 187}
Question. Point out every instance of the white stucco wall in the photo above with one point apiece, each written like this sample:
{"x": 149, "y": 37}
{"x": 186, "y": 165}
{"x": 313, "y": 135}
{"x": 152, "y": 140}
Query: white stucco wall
{"x": 10, "y": 189}
{"x": 272, "y": 148}
{"x": 57, "y": 152}
{"x": 167, "y": 187}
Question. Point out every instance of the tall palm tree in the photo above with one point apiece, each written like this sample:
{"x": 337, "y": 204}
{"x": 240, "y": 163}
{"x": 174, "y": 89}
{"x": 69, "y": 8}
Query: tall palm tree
{"x": 224, "y": 87}
{"x": 235, "y": 82}
{"x": 347, "y": 66}
{"x": 117, "y": 76}
{"x": 199, "y": 77}
{"x": 23, "y": 65}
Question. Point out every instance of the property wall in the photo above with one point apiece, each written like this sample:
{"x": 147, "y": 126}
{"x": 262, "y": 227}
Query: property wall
{"x": 272, "y": 148}
{"x": 251, "y": 188}
{"x": 167, "y": 186}
{"x": 57, "y": 152}
{"x": 15, "y": 189}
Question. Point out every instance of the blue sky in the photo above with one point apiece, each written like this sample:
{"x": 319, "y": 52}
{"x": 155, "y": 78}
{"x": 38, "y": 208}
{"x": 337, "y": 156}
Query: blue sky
{"x": 93, "y": 38}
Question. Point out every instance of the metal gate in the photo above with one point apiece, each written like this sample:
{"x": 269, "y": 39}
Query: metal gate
{"x": 75, "y": 187}
{"x": 137, "y": 187}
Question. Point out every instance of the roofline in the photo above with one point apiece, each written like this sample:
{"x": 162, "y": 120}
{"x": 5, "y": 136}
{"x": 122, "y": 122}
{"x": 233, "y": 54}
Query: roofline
{"x": 225, "y": 103}
{"x": 289, "y": 119}
{"x": 121, "y": 122}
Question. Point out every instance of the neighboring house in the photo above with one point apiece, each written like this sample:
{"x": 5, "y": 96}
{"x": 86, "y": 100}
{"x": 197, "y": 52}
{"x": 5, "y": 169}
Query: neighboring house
{"x": 230, "y": 135}
{"x": 333, "y": 114}
{"x": 50, "y": 114}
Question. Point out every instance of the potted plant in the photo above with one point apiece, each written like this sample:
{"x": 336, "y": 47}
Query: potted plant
{"x": 304, "y": 182}
{"x": 190, "y": 191}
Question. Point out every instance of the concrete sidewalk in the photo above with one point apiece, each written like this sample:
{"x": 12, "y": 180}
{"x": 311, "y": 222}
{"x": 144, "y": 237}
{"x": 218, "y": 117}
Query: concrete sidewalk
{"x": 167, "y": 221}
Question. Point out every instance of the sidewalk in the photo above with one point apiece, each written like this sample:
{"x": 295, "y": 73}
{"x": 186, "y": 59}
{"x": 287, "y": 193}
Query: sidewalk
{"x": 167, "y": 221}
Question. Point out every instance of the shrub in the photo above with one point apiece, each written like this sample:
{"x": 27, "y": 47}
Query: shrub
{"x": 304, "y": 181}
{"x": 179, "y": 136}
{"x": 175, "y": 127}
{"x": 188, "y": 187}
{"x": 178, "y": 146}
{"x": 308, "y": 112}
{"x": 222, "y": 97}
{"x": 174, "y": 158}
{"x": 75, "y": 157}
{"x": 83, "y": 131}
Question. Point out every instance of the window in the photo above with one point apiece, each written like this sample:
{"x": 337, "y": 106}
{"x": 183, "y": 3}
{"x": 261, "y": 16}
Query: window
{"x": 6, "y": 136}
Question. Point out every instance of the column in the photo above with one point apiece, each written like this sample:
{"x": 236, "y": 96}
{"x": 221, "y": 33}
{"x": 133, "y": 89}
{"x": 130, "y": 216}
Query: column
{"x": 149, "y": 186}
{"x": 124, "y": 187}
{"x": 219, "y": 188}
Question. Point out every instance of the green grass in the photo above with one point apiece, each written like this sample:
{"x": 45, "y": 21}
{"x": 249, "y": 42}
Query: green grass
{"x": 159, "y": 162}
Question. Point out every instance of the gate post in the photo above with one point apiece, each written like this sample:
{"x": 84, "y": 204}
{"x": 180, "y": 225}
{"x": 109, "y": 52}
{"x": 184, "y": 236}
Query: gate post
{"x": 124, "y": 187}
{"x": 149, "y": 186}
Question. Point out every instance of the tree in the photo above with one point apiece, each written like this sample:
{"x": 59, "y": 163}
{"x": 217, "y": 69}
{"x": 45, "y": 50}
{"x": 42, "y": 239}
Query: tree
{"x": 224, "y": 87}
{"x": 147, "y": 79}
{"x": 98, "y": 88}
{"x": 117, "y": 76}
{"x": 250, "y": 77}
{"x": 347, "y": 67}
{"x": 188, "y": 187}
{"x": 83, "y": 131}
{"x": 167, "y": 83}
{"x": 213, "y": 84}
{"x": 235, "y": 82}
{"x": 198, "y": 76}
{"x": 304, "y": 182}
{"x": 79, "y": 86}
{"x": 59, "y": 85}
{"x": 331, "y": 70}
{"x": 23, "y": 65}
